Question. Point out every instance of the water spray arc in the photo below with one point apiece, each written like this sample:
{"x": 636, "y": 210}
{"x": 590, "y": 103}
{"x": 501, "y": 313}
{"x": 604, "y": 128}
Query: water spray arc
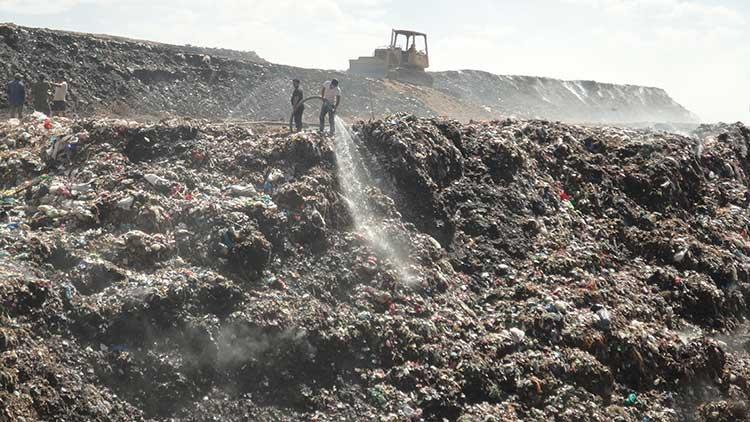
{"x": 355, "y": 183}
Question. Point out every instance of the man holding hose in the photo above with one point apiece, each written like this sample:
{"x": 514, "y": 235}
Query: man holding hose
{"x": 331, "y": 95}
{"x": 298, "y": 109}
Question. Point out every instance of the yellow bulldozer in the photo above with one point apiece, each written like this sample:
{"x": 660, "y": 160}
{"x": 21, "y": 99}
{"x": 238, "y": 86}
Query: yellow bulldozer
{"x": 403, "y": 60}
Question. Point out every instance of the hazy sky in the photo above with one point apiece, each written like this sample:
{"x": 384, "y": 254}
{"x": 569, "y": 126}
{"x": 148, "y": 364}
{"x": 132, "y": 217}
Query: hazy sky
{"x": 698, "y": 50}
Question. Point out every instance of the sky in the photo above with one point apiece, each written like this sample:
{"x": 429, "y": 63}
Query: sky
{"x": 697, "y": 50}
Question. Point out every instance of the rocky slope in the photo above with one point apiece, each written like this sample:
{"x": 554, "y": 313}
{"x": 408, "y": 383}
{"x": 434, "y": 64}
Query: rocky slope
{"x": 561, "y": 273}
{"x": 119, "y": 76}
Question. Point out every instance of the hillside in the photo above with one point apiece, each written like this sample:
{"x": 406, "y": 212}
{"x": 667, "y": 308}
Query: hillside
{"x": 113, "y": 75}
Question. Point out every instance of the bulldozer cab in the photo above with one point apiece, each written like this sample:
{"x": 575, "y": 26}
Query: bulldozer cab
{"x": 411, "y": 47}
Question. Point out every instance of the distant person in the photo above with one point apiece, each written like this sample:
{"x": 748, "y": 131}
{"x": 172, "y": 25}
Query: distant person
{"x": 59, "y": 102}
{"x": 297, "y": 96}
{"x": 16, "y": 97}
{"x": 40, "y": 95}
{"x": 331, "y": 95}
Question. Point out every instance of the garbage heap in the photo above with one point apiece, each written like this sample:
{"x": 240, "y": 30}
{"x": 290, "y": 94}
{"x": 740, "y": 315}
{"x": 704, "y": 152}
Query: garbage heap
{"x": 188, "y": 271}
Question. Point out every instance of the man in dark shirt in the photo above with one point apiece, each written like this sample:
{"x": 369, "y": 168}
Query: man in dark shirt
{"x": 40, "y": 95}
{"x": 297, "y": 97}
{"x": 16, "y": 96}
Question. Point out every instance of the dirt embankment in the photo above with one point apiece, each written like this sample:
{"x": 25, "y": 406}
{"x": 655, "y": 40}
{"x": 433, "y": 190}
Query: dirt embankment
{"x": 572, "y": 101}
{"x": 119, "y": 76}
{"x": 194, "y": 271}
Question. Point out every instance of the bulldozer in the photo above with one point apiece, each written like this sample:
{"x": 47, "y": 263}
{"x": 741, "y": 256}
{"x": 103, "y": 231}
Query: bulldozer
{"x": 402, "y": 60}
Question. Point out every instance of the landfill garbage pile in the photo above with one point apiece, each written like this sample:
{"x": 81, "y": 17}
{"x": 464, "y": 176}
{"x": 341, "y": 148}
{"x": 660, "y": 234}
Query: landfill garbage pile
{"x": 722, "y": 131}
{"x": 190, "y": 270}
{"x": 116, "y": 76}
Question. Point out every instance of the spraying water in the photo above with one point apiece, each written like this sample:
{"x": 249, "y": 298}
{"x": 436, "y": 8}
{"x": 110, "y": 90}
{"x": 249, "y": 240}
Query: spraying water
{"x": 355, "y": 181}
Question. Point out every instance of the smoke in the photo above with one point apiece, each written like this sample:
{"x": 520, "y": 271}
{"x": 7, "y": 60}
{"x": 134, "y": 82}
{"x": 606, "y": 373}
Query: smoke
{"x": 238, "y": 344}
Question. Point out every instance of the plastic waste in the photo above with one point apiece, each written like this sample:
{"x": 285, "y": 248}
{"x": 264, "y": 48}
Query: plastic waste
{"x": 275, "y": 175}
{"x": 69, "y": 291}
{"x": 408, "y": 411}
{"x": 156, "y": 180}
{"x": 50, "y": 211}
{"x": 242, "y": 190}
{"x": 631, "y": 400}
{"x": 51, "y": 152}
{"x": 82, "y": 214}
{"x": 81, "y": 188}
{"x": 680, "y": 256}
{"x": 561, "y": 306}
{"x": 558, "y": 306}
{"x": 39, "y": 116}
{"x": 126, "y": 203}
{"x": 60, "y": 190}
{"x": 517, "y": 335}
{"x": 602, "y": 319}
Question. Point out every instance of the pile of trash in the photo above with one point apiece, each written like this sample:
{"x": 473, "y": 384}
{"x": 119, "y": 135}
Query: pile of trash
{"x": 189, "y": 270}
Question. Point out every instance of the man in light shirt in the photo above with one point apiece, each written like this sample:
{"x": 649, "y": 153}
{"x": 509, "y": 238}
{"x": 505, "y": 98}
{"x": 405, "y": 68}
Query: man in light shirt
{"x": 59, "y": 104}
{"x": 331, "y": 95}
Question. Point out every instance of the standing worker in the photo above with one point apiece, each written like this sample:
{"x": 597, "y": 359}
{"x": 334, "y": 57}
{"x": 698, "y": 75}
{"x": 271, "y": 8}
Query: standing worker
{"x": 40, "y": 95}
{"x": 331, "y": 95}
{"x": 16, "y": 97}
{"x": 59, "y": 103}
{"x": 297, "y": 96}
